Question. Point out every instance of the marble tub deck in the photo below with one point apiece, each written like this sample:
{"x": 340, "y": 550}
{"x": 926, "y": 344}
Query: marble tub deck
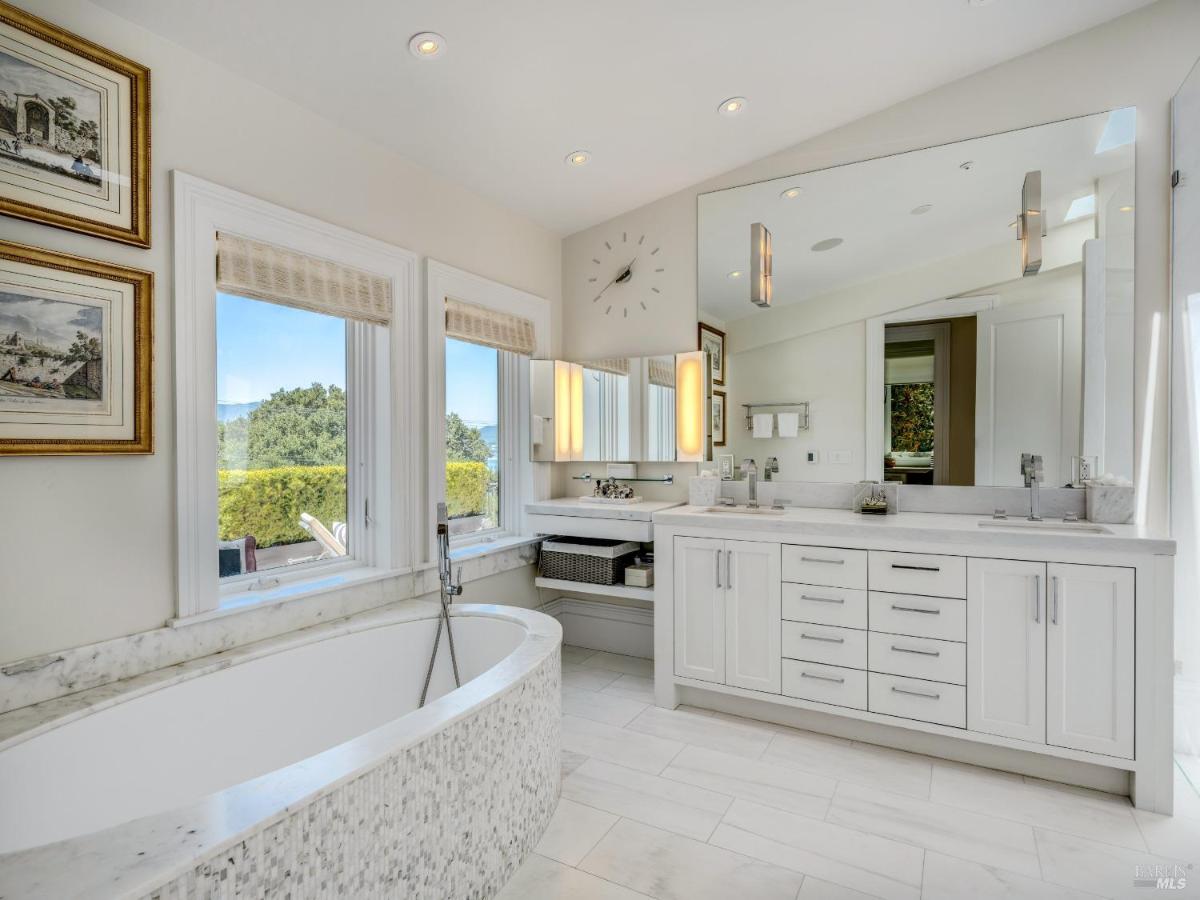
{"x": 693, "y": 805}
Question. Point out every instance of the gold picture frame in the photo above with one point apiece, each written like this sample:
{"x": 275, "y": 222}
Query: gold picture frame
{"x": 719, "y": 413}
{"x": 79, "y": 160}
{"x": 712, "y": 341}
{"x": 87, "y": 393}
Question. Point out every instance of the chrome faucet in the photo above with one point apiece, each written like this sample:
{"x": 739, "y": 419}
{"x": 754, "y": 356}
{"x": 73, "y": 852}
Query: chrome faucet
{"x": 1031, "y": 468}
{"x": 771, "y": 465}
{"x": 750, "y": 470}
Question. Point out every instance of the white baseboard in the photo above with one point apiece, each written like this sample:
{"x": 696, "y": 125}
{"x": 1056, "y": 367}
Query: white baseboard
{"x": 604, "y": 626}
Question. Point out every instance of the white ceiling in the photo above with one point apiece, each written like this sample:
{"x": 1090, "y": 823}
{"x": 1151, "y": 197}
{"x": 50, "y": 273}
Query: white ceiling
{"x": 869, "y": 205}
{"x": 636, "y": 82}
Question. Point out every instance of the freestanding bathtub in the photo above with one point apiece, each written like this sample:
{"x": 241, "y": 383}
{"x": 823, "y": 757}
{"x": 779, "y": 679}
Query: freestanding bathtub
{"x": 298, "y": 767}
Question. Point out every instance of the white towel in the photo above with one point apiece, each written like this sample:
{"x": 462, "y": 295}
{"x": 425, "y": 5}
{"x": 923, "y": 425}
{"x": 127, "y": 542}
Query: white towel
{"x": 764, "y": 425}
{"x": 789, "y": 424}
{"x": 539, "y": 429}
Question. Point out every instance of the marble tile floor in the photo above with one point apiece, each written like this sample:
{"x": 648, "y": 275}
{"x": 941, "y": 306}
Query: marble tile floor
{"x": 692, "y": 805}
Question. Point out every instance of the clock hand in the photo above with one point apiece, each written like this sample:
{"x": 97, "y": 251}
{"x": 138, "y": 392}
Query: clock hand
{"x": 620, "y": 278}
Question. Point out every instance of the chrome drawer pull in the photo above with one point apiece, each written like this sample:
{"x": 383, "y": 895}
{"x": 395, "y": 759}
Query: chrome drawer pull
{"x": 928, "y": 612}
{"x": 823, "y": 599}
{"x": 917, "y": 568}
{"x": 896, "y": 690}
{"x": 918, "y": 652}
{"x": 832, "y": 562}
{"x": 823, "y": 678}
{"x": 817, "y": 637}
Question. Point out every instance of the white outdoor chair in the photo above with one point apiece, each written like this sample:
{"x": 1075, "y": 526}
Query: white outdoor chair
{"x": 330, "y": 545}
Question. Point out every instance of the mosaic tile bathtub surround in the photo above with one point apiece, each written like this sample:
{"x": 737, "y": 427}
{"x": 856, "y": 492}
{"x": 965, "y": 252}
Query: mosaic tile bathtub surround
{"x": 451, "y": 817}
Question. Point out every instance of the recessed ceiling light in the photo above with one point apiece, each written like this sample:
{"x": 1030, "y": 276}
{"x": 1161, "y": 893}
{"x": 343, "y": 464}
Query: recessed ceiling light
{"x": 791, "y": 193}
{"x": 1126, "y": 209}
{"x": 732, "y": 106}
{"x": 827, "y": 244}
{"x": 577, "y": 158}
{"x": 427, "y": 45}
{"x": 920, "y": 210}
{"x": 735, "y": 274}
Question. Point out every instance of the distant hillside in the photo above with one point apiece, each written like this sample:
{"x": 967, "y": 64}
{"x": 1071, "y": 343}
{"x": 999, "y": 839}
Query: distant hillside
{"x": 488, "y": 432}
{"x": 228, "y": 411}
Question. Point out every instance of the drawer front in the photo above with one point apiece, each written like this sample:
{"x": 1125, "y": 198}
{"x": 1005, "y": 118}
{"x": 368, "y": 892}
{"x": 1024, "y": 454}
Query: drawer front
{"x": 828, "y": 566}
{"x": 925, "y": 701}
{"x": 918, "y": 573}
{"x": 844, "y": 607}
{"x": 943, "y": 618}
{"x": 821, "y": 643}
{"x": 825, "y": 684}
{"x": 917, "y": 657}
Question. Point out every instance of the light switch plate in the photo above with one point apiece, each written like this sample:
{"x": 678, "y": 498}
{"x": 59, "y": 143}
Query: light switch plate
{"x": 812, "y": 457}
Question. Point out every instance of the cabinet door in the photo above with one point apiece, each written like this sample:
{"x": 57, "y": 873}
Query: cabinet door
{"x": 1006, "y": 648}
{"x": 1089, "y": 685}
{"x": 700, "y": 609}
{"x": 752, "y": 615}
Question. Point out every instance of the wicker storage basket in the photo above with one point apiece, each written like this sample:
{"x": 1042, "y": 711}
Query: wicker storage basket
{"x": 589, "y": 560}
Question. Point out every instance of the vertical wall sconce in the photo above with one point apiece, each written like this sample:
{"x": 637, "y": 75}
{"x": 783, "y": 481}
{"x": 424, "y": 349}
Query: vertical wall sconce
{"x": 562, "y": 410}
{"x": 576, "y": 411}
{"x": 1031, "y": 224}
{"x": 691, "y": 406}
{"x": 760, "y": 265}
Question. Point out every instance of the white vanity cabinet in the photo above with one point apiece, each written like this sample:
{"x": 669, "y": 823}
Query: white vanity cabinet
{"x": 1090, "y": 658}
{"x": 1046, "y": 651}
{"x": 727, "y": 612}
{"x": 1051, "y": 653}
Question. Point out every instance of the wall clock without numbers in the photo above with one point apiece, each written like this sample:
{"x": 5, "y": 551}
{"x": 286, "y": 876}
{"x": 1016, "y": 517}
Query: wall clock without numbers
{"x": 625, "y": 275}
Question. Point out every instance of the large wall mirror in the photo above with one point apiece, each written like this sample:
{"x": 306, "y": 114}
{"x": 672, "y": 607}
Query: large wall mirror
{"x": 941, "y": 311}
{"x": 624, "y": 409}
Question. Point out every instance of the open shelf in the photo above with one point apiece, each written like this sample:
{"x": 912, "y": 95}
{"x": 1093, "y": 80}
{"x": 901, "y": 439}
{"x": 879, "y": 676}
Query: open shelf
{"x": 604, "y": 590}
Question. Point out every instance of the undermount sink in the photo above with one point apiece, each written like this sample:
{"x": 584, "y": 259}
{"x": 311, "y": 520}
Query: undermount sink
{"x": 745, "y": 510}
{"x": 1026, "y": 525}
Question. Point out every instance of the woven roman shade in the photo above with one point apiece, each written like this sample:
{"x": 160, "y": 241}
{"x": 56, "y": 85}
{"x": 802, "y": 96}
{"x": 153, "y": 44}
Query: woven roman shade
{"x": 479, "y": 325}
{"x": 662, "y": 371}
{"x": 265, "y": 271}
{"x": 618, "y": 366}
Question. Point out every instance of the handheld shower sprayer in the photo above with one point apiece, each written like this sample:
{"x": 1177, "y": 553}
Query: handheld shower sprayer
{"x": 449, "y": 588}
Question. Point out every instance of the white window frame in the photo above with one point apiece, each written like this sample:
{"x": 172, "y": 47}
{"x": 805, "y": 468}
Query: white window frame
{"x": 382, "y": 365}
{"x": 520, "y": 479}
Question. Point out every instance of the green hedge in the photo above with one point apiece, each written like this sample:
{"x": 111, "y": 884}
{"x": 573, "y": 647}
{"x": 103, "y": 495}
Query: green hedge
{"x": 466, "y": 488}
{"x": 267, "y": 502}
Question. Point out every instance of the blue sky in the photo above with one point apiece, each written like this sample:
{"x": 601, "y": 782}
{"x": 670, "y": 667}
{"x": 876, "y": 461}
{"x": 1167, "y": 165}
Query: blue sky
{"x": 471, "y": 377}
{"x": 262, "y": 347}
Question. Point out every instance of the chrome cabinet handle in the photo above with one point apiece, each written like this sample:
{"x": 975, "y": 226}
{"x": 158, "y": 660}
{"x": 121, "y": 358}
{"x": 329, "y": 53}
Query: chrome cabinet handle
{"x": 728, "y": 568}
{"x": 935, "y": 696}
{"x": 717, "y": 559}
{"x": 823, "y": 678}
{"x": 823, "y": 599}
{"x": 918, "y": 652}
{"x": 1054, "y": 595}
{"x": 817, "y": 637}
{"x": 831, "y": 562}
{"x": 1037, "y": 599}
{"x": 916, "y": 568}
{"x": 928, "y": 612}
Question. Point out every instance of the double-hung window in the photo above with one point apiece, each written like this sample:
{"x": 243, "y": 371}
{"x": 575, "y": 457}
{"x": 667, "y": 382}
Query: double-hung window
{"x": 482, "y": 336}
{"x": 288, "y": 474}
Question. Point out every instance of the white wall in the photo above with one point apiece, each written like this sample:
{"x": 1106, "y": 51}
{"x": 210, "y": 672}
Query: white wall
{"x": 1138, "y": 60}
{"x": 87, "y": 546}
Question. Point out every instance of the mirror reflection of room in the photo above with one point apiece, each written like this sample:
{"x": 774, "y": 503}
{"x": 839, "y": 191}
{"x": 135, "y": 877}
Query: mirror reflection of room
{"x": 983, "y": 310}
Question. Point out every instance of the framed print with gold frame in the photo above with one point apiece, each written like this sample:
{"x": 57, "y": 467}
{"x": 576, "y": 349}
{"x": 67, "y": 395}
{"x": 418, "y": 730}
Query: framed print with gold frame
{"x": 76, "y": 355}
{"x": 712, "y": 341}
{"x": 718, "y": 418}
{"x": 74, "y": 132}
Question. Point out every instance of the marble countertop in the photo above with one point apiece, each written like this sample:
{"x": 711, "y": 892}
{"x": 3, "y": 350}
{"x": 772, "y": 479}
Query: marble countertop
{"x": 941, "y": 527}
{"x": 574, "y": 506}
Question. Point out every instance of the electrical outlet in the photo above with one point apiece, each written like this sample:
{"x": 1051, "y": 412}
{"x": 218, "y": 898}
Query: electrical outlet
{"x": 812, "y": 457}
{"x": 841, "y": 457}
